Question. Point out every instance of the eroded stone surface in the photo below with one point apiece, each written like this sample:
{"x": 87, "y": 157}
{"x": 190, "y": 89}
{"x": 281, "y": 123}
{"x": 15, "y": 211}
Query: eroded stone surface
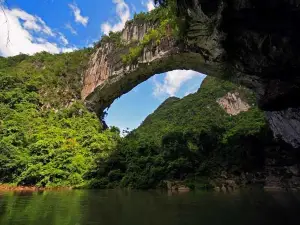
{"x": 286, "y": 122}
{"x": 233, "y": 104}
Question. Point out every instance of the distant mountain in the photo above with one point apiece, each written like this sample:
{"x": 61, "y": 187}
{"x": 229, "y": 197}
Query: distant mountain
{"x": 217, "y": 103}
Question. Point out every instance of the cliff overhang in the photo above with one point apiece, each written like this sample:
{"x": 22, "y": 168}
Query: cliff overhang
{"x": 252, "y": 43}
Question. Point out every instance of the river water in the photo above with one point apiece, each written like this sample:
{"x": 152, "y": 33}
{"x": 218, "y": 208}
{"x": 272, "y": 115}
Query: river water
{"x": 112, "y": 207}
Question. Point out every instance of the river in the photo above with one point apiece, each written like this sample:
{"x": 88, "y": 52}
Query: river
{"x": 112, "y": 207}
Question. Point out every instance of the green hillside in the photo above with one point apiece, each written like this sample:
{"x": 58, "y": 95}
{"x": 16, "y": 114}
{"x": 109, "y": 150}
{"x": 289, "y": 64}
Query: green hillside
{"x": 191, "y": 140}
{"x": 200, "y": 112}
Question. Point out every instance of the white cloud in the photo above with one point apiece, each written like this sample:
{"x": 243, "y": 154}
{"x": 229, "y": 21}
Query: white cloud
{"x": 123, "y": 13}
{"x": 41, "y": 40}
{"x": 63, "y": 39}
{"x": 192, "y": 89}
{"x": 90, "y": 42}
{"x": 46, "y": 29}
{"x": 150, "y": 5}
{"x": 31, "y": 22}
{"x": 25, "y": 33}
{"x": 77, "y": 13}
{"x": 70, "y": 28}
{"x": 68, "y": 49}
{"x": 133, "y": 8}
{"x": 173, "y": 81}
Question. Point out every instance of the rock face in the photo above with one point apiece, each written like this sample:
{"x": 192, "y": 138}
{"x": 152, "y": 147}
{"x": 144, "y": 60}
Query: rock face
{"x": 235, "y": 40}
{"x": 282, "y": 167}
{"x": 233, "y": 104}
{"x": 286, "y": 122}
{"x": 106, "y": 64}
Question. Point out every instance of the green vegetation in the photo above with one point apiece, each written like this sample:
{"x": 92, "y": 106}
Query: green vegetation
{"x": 47, "y": 136}
{"x": 191, "y": 140}
{"x": 154, "y": 16}
{"x": 113, "y": 38}
{"x": 49, "y": 139}
{"x": 135, "y": 52}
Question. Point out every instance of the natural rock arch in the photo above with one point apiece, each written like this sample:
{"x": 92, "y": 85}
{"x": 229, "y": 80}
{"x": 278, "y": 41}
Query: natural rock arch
{"x": 236, "y": 40}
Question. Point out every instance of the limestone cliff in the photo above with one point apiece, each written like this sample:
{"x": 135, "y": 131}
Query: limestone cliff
{"x": 253, "y": 43}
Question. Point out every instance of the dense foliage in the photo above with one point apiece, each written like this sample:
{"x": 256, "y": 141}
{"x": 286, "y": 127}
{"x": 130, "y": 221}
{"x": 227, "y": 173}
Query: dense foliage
{"x": 113, "y": 38}
{"x": 47, "y": 137}
{"x": 191, "y": 139}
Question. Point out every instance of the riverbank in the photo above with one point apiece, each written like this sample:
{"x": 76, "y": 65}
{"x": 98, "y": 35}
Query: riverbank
{"x": 13, "y": 187}
{"x": 173, "y": 189}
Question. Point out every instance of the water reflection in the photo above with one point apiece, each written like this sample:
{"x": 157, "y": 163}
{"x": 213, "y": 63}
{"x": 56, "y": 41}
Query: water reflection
{"x": 34, "y": 208}
{"x": 145, "y": 208}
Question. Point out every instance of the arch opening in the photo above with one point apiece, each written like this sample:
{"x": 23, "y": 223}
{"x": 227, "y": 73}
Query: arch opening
{"x": 130, "y": 110}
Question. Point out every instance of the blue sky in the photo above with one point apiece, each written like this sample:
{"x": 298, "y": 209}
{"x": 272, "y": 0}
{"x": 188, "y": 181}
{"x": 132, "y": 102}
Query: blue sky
{"x": 66, "y": 25}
